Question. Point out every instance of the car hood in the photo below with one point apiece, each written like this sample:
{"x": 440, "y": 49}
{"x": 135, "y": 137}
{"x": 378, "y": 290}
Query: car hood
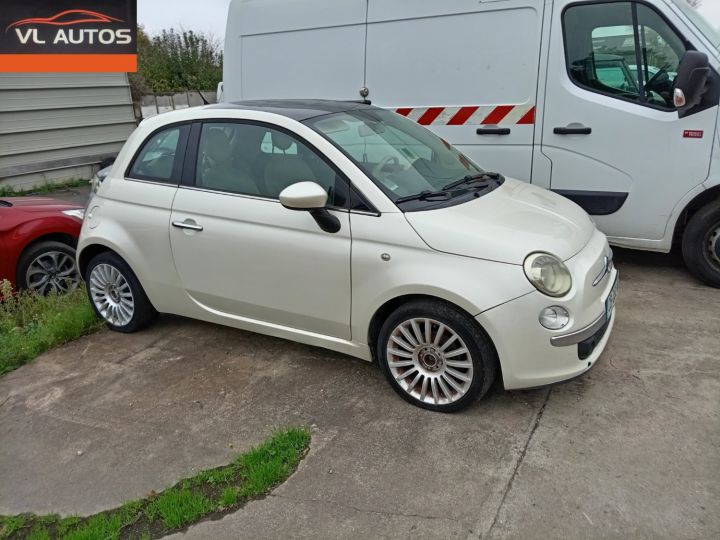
{"x": 38, "y": 204}
{"x": 506, "y": 225}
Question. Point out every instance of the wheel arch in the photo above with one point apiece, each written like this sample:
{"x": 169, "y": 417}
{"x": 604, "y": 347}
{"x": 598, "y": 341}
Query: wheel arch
{"x": 691, "y": 208}
{"x": 63, "y": 238}
{"x": 91, "y": 251}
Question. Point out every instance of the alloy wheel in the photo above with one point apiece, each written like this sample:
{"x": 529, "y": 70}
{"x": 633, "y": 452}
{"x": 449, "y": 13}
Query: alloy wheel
{"x": 52, "y": 271}
{"x": 111, "y": 294}
{"x": 430, "y": 361}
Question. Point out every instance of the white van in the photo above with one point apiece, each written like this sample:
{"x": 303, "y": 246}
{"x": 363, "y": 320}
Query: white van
{"x": 613, "y": 104}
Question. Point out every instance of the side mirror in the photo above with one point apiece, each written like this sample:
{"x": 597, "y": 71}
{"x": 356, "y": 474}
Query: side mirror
{"x": 691, "y": 82}
{"x": 303, "y": 196}
{"x": 310, "y": 197}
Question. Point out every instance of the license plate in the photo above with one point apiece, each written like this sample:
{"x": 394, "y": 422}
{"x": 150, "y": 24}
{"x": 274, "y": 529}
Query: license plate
{"x": 610, "y": 300}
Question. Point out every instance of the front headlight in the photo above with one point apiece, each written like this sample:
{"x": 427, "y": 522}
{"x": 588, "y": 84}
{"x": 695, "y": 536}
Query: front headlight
{"x": 79, "y": 213}
{"x": 548, "y": 274}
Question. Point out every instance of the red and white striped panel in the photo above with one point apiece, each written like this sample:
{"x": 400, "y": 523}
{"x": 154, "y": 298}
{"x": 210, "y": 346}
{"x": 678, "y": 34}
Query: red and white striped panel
{"x": 469, "y": 115}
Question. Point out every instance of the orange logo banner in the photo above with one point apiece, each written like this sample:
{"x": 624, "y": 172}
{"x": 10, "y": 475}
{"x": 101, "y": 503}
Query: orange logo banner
{"x": 68, "y": 35}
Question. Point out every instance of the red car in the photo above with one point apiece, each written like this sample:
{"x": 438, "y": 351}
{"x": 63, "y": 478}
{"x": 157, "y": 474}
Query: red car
{"x": 38, "y": 236}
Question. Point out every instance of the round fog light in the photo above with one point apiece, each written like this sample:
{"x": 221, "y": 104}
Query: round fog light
{"x": 554, "y": 317}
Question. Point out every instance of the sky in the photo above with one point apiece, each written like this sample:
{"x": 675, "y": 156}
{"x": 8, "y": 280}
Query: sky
{"x": 210, "y": 15}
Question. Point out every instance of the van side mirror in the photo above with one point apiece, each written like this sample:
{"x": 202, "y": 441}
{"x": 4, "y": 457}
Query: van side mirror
{"x": 310, "y": 197}
{"x": 691, "y": 82}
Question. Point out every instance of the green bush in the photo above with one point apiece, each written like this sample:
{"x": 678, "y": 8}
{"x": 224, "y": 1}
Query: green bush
{"x": 175, "y": 61}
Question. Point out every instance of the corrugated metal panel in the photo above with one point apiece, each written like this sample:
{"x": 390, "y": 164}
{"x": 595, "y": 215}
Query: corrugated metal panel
{"x": 25, "y": 121}
{"x": 55, "y": 126}
{"x": 62, "y": 98}
{"x": 60, "y": 80}
{"x": 54, "y": 139}
{"x": 42, "y": 161}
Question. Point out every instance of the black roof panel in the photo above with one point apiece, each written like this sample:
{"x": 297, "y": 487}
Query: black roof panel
{"x": 297, "y": 109}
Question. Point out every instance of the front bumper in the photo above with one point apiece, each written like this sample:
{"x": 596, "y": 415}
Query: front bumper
{"x": 531, "y": 355}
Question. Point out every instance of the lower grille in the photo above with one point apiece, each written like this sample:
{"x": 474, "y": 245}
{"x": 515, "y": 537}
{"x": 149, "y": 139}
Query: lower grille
{"x": 586, "y": 348}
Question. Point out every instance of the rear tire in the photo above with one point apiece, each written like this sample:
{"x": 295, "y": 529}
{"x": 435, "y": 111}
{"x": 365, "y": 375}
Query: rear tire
{"x": 436, "y": 356}
{"x": 116, "y": 294}
{"x": 701, "y": 244}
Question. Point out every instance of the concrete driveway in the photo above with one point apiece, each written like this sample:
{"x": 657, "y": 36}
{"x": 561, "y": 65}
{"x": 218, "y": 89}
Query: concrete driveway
{"x": 631, "y": 450}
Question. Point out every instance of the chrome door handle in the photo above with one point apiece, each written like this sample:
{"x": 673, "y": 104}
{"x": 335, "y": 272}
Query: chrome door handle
{"x": 187, "y": 224}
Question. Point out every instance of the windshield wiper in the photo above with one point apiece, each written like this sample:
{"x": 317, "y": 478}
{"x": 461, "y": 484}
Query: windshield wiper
{"x": 425, "y": 196}
{"x": 444, "y": 193}
{"x": 470, "y": 178}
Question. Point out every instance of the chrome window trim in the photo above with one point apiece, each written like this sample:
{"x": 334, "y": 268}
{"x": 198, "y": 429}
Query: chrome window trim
{"x": 248, "y": 196}
{"x": 366, "y": 213}
{"x": 155, "y": 182}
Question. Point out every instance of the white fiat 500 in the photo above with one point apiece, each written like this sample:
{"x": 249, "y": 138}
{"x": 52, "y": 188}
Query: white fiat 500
{"x": 349, "y": 227}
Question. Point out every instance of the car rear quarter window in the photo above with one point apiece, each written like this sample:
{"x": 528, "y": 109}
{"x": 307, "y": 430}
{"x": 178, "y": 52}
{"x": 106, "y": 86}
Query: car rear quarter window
{"x": 161, "y": 155}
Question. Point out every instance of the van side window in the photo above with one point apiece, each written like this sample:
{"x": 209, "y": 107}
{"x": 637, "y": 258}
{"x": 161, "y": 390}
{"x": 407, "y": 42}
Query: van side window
{"x": 252, "y": 159}
{"x": 622, "y": 49}
{"x": 159, "y": 160}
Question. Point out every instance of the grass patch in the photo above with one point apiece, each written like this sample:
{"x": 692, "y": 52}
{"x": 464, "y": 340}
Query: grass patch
{"x": 229, "y": 497}
{"x": 178, "y": 507}
{"x": 43, "y": 189}
{"x": 31, "y": 324}
{"x": 210, "y": 493}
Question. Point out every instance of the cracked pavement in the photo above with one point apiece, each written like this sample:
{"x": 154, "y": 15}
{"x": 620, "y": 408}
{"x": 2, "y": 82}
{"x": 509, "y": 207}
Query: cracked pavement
{"x": 631, "y": 450}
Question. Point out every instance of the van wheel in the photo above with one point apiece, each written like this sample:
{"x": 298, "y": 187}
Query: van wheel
{"x": 701, "y": 244}
{"x": 116, "y": 294}
{"x": 436, "y": 356}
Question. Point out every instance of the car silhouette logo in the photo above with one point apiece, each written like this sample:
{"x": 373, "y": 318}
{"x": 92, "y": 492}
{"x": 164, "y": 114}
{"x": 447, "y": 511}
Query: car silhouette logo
{"x": 67, "y": 18}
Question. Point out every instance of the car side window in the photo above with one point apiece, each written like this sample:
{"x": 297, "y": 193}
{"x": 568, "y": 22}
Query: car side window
{"x": 160, "y": 158}
{"x": 622, "y": 49}
{"x": 257, "y": 160}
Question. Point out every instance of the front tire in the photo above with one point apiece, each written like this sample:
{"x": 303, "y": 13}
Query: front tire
{"x": 48, "y": 267}
{"x": 436, "y": 356}
{"x": 116, "y": 294}
{"x": 701, "y": 244}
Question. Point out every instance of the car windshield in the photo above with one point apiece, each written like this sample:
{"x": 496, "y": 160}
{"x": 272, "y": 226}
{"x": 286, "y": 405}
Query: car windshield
{"x": 412, "y": 165}
{"x": 700, "y": 22}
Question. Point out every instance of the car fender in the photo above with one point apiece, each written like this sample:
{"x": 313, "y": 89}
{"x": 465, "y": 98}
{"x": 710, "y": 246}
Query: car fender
{"x": 19, "y": 238}
{"x": 161, "y": 285}
{"x": 449, "y": 281}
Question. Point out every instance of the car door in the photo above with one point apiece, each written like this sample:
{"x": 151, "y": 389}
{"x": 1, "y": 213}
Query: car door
{"x": 239, "y": 253}
{"x": 616, "y": 143}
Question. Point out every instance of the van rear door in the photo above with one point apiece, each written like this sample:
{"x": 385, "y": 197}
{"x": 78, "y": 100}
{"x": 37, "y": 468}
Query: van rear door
{"x": 291, "y": 49}
{"x": 465, "y": 69}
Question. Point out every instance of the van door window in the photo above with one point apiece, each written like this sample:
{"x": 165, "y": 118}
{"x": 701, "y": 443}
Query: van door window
{"x": 622, "y": 49}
